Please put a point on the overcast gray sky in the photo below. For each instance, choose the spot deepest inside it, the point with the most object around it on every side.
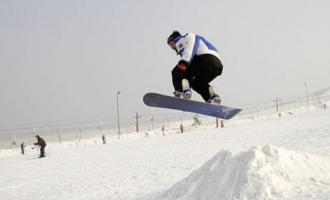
(66, 59)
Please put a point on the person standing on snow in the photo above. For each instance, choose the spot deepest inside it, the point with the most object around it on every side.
(104, 139)
(181, 128)
(22, 148)
(41, 142)
(198, 66)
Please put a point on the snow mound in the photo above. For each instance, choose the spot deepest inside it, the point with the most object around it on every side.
(262, 172)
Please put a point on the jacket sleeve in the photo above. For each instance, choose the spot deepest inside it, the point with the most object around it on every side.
(189, 47)
(40, 142)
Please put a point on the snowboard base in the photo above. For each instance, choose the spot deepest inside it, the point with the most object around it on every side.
(164, 101)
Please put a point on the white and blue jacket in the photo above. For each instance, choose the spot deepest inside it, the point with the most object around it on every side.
(189, 45)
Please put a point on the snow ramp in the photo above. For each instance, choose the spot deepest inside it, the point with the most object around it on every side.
(260, 173)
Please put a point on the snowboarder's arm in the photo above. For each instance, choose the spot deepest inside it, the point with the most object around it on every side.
(189, 47)
(186, 48)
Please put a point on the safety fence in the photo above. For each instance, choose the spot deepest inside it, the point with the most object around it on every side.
(157, 123)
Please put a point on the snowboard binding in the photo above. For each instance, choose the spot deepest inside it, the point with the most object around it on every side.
(215, 98)
(186, 91)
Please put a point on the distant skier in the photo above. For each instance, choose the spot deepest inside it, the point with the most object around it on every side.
(41, 142)
(163, 129)
(199, 65)
(22, 148)
(181, 128)
(104, 139)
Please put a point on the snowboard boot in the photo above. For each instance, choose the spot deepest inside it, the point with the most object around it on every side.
(186, 89)
(214, 98)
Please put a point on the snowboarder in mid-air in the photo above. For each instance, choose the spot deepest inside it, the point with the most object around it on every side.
(198, 66)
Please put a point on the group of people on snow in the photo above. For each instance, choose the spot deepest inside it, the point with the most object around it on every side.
(40, 142)
(198, 65)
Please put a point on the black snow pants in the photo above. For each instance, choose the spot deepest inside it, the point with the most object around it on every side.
(200, 72)
(42, 150)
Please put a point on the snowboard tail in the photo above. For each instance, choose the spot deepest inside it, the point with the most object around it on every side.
(164, 101)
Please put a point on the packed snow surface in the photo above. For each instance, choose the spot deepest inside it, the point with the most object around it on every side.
(263, 172)
(267, 159)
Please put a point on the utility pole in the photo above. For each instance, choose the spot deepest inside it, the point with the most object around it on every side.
(100, 127)
(216, 122)
(80, 134)
(137, 116)
(307, 94)
(118, 123)
(277, 106)
(152, 122)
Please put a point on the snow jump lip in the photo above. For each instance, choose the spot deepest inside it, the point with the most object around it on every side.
(251, 174)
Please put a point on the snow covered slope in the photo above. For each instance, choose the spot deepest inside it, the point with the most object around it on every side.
(262, 172)
(275, 159)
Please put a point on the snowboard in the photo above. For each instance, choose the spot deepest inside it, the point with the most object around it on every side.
(164, 101)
